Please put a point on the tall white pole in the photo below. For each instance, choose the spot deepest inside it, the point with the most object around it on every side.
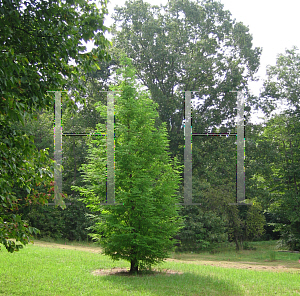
(188, 150)
(240, 148)
(110, 150)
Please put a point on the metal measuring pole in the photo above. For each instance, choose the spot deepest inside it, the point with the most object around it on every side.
(110, 184)
(57, 150)
(240, 180)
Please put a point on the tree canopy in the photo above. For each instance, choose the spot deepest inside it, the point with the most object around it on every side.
(282, 83)
(188, 45)
(38, 40)
(276, 161)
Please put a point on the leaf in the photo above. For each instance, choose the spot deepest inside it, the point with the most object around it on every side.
(24, 83)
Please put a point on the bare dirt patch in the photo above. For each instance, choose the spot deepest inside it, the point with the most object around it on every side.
(245, 265)
(68, 247)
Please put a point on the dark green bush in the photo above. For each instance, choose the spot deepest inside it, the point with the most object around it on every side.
(57, 223)
(203, 230)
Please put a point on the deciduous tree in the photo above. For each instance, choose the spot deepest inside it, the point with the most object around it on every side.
(141, 229)
(188, 45)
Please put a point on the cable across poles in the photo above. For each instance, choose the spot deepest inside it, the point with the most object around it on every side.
(110, 138)
(110, 143)
(240, 168)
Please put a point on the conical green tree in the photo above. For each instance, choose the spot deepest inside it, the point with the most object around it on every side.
(142, 228)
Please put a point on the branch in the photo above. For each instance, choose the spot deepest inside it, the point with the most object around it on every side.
(43, 36)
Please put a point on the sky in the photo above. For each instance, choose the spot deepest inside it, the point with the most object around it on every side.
(274, 26)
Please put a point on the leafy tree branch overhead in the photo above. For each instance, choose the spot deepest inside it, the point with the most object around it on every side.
(37, 42)
(38, 39)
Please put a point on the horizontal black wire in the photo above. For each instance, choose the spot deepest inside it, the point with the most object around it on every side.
(214, 134)
(193, 134)
(67, 134)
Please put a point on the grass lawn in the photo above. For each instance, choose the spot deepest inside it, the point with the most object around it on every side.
(48, 268)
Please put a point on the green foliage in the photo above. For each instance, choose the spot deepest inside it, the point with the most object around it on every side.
(236, 226)
(277, 171)
(70, 223)
(274, 150)
(169, 44)
(54, 222)
(37, 40)
(282, 182)
(255, 222)
(22, 168)
(248, 246)
(282, 82)
(245, 223)
(290, 236)
(146, 180)
(202, 230)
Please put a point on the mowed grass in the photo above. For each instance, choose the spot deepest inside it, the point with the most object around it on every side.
(40, 270)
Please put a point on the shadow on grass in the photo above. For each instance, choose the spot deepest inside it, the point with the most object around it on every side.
(171, 283)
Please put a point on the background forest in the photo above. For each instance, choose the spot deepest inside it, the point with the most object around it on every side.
(185, 45)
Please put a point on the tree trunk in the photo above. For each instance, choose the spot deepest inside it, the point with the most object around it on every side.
(237, 246)
(134, 268)
(292, 157)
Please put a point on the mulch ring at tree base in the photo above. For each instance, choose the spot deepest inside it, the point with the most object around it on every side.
(125, 272)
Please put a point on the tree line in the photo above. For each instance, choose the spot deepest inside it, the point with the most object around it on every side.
(184, 45)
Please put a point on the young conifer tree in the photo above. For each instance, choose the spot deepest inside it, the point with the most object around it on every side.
(141, 229)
